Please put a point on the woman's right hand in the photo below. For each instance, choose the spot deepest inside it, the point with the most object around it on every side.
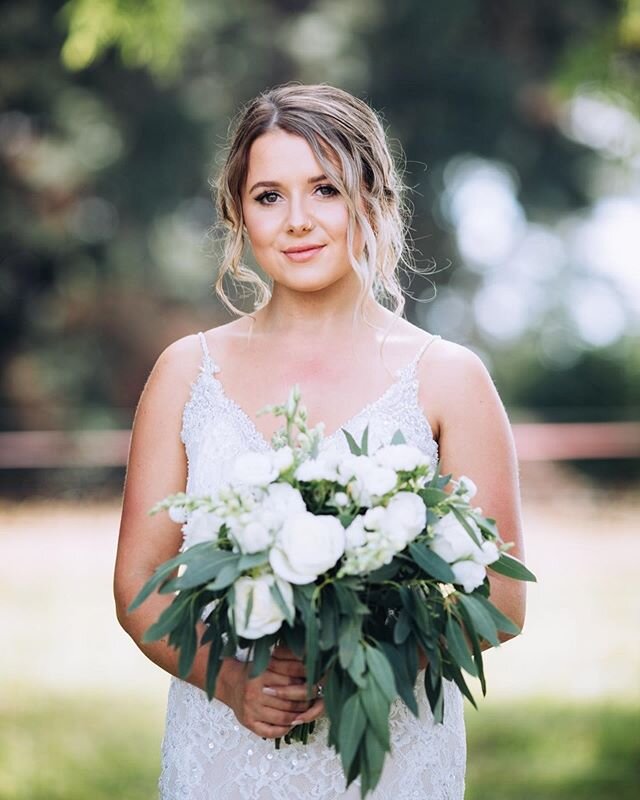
(256, 703)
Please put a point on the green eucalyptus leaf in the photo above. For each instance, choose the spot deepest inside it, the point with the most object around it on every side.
(431, 563)
(482, 619)
(353, 445)
(398, 438)
(433, 496)
(503, 623)
(376, 706)
(357, 667)
(227, 575)
(288, 612)
(458, 647)
(364, 442)
(435, 692)
(352, 728)
(348, 639)
(381, 671)
(375, 754)
(405, 670)
(170, 618)
(512, 568)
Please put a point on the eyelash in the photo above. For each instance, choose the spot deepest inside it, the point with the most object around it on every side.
(260, 198)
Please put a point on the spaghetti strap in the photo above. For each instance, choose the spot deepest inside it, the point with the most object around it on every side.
(425, 347)
(208, 364)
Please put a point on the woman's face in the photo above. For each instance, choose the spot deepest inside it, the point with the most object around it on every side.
(289, 205)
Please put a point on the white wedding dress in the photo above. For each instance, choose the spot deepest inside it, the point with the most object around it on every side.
(207, 754)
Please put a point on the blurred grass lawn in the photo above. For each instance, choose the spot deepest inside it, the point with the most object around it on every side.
(81, 711)
(83, 749)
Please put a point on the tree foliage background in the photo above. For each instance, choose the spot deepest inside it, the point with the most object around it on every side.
(519, 122)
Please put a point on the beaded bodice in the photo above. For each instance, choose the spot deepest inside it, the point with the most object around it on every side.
(207, 754)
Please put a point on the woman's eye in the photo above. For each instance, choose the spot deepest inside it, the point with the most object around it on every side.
(267, 198)
(326, 190)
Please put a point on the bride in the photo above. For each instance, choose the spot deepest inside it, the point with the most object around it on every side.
(310, 185)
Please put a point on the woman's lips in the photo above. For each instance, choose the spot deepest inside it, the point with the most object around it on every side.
(303, 255)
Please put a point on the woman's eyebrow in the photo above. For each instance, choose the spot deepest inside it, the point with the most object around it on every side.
(275, 183)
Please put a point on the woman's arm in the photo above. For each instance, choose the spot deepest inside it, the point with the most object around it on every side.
(156, 468)
(475, 439)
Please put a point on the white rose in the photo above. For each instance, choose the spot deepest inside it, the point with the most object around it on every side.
(306, 546)
(488, 553)
(266, 616)
(468, 574)
(451, 540)
(255, 469)
(407, 513)
(252, 537)
(404, 457)
(352, 466)
(379, 480)
(202, 526)
(281, 501)
(283, 459)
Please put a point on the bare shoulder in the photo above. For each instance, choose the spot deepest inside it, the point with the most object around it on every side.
(453, 382)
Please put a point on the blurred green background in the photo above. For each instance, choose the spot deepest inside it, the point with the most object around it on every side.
(520, 122)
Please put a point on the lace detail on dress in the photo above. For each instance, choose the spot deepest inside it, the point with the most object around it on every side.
(207, 754)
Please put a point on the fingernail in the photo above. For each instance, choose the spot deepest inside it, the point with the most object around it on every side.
(270, 691)
(297, 722)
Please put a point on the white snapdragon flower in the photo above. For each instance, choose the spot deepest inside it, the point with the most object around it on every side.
(466, 488)
(266, 615)
(254, 469)
(283, 459)
(201, 526)
(322, 468)
(401, 457)
(306, 546)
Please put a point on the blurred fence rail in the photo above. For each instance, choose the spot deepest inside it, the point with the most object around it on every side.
(109, 448)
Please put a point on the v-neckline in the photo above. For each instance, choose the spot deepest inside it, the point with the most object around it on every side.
(259, 437)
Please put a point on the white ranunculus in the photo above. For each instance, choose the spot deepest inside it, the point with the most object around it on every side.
(322, 468)
(202, 526)
(367, 480)
(452, 542)
(254, 469)
(401, 457)
(469, 574)
(266, 615)
(406, 516)
(306, 546)
(466, 488)
(283, 458)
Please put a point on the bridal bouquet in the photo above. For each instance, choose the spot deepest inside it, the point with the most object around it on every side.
(352, 561)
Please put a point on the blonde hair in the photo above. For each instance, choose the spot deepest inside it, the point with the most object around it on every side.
(349, 142)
